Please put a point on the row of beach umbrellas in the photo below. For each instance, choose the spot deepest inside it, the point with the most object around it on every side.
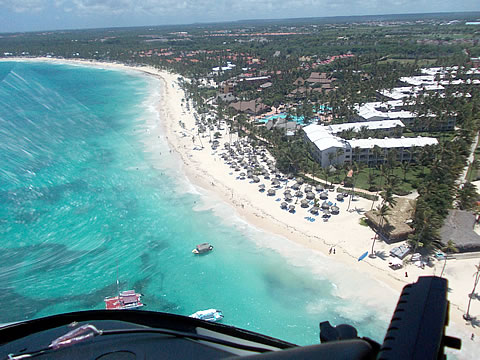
(242, 155)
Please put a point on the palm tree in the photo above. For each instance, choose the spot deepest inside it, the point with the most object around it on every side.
(331, 156)
(326, 172)
(475, 282)
(356, 167)
(467, 196)
(405, 165)
(449, 248)
(200, 138)
(382, 212)
(338, 153)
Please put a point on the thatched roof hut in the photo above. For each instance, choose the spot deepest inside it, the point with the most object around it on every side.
(396, 225)
(459, 227)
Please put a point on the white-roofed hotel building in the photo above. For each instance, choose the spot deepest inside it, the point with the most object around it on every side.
(324, 142)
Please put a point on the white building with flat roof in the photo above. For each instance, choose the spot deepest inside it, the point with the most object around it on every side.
(370, 125)
(324, 142)
(394, 110)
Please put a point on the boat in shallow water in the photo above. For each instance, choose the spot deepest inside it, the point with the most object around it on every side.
(208, 315)
(202, 248)
(125, 300)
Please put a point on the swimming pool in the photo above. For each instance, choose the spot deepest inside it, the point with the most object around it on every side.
(298, 119)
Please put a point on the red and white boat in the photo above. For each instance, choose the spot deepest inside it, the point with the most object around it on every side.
(125, 300)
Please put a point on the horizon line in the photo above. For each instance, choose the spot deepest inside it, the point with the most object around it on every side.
(245, 20)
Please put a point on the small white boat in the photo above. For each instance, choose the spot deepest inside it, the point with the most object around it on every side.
(202, 248)
(208, 315)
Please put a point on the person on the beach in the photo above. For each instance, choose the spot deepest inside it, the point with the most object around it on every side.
(330, 251)
(406, 274)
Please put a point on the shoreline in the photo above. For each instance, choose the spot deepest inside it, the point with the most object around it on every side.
(343, 232)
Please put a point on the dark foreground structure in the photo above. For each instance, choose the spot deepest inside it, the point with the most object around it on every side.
(417, 331)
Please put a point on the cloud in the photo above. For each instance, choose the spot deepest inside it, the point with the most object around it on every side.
(230, 9)
(23, 6)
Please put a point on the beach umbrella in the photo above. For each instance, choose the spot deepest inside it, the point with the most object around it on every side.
(288, 197)
(326, 213)
(256, 179)
(324, 195)
(304, 203)
(295, 186)
(325, 206)
(299, 194)
(242, 174)
(308, 188)
(288, 191)
(314, 210)
(310, 195)
(340, 197)
(319, 188)
(290, 176)
(271, 192)
(300, 181)
(291, 208)
(275, 183)
(283, 205)
(335, 209)
(237, 168)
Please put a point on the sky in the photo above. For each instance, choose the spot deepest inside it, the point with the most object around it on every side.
(34, 15)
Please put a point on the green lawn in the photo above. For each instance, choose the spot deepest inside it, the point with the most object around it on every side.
(407, 184)
(414, 176)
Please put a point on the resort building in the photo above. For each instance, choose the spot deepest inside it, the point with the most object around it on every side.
(384, 125)
(252, 107)
(395, 110)
(373, 151)
(329, 149)
(326, 148)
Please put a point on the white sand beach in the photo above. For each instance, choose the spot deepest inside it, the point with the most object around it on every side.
(343, 232)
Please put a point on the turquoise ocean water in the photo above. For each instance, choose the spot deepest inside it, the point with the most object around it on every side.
(81, 196)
